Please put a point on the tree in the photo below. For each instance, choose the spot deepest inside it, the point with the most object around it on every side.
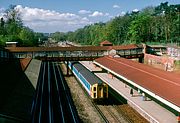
(14, 22)
(58, 36)
(40, 38)
(169, 15)
(117, 29)
(27, 37)
(139, 30)
(12, 29)
(2, 29)
(160, 24)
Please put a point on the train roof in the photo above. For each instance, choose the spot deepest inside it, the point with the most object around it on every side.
(88, 75)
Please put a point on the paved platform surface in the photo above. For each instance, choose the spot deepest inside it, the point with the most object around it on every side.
(32, 71)
(90, 66)
(147, 108)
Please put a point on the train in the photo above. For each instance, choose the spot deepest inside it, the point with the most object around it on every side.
(94, 86)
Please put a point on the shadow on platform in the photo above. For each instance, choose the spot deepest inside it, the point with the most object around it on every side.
(16, 93)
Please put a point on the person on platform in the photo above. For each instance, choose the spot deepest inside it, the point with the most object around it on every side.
(131, 92)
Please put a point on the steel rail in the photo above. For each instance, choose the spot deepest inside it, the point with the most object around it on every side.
(120, 110)
(75, 120)
(12, 118)
(50, 109)
(40, 112)
(35, 101)
(58, 91)
(113, 115)
(100, 113)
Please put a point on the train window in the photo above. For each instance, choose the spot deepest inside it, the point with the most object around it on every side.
(94, 89)
(94, 95)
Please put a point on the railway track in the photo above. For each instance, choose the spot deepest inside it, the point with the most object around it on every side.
(111, 111)
(129, 114)
(116, 118)
(12, 118)
(52, 102)
(101, 114)
(109, 114)
(122, 113)
(118, 108)
(101, 109)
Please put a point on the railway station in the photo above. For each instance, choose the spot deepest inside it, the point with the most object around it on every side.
(144, 88)
(152, 93)
(96, 62)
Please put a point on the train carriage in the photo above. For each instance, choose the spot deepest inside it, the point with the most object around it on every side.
(95, 87)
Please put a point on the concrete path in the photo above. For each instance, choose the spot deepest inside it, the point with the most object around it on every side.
(32, 71)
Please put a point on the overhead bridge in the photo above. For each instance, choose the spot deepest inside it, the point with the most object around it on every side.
(76, 53)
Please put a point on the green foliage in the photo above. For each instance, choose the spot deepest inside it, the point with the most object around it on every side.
(58, 36)
(2, 27)
(13, 30)
(13, 21)
(27, 36)
(89, 35)
(159, 24)
(139, 30)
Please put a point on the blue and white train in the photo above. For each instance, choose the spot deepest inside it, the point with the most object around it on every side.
(95, 87)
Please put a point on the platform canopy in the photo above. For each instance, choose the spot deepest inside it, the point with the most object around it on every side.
(162, 85)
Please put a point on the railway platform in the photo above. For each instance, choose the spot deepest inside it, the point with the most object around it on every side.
(152, 111)
(149, 109)
(90, 66)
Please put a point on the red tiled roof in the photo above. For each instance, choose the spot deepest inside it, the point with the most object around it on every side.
(105, 42)
(161, 83)
(24, 63)
(125, 47)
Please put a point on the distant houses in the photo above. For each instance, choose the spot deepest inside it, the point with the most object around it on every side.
(106, 43)
(11, 44)
(173, 52)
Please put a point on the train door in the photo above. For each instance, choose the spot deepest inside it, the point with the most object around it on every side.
(105, 91)
(100, 91)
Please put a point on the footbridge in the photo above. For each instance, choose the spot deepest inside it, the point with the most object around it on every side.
(77, 53)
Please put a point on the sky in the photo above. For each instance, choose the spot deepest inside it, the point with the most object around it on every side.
(68, 15)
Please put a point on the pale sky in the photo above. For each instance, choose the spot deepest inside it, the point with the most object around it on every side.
(69, 15)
